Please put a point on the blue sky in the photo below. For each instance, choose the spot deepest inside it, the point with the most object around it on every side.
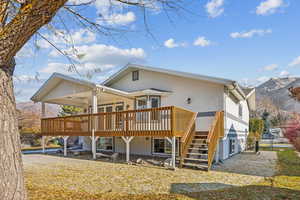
(244, 40)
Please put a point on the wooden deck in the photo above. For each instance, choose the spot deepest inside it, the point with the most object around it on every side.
(162, 122)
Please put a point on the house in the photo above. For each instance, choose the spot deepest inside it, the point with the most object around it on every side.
(153, 111)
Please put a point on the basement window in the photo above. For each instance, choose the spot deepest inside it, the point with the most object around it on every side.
(135, 75)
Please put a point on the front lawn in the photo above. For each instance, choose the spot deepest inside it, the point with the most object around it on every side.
(284, 185)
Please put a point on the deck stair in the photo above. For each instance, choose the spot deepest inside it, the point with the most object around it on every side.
(197, 154)
(198, 147)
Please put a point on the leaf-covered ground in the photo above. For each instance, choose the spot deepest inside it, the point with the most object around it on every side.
(82, 179)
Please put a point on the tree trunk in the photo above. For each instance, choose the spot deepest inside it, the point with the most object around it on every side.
(11, 168)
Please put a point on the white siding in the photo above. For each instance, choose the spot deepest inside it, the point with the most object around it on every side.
(138, 145)
(235, 125)
(205, 96)
(65, 88)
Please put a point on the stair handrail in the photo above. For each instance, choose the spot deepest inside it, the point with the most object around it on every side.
(213, 136)
(187, 138)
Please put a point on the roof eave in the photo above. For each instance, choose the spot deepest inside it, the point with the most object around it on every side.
(171, 72)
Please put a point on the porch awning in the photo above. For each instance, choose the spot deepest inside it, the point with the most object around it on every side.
(65, 90)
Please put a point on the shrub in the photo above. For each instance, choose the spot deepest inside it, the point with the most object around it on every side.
(256, 127)
(292, 132)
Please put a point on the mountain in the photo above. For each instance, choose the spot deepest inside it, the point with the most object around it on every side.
(273, 95)
(29, 115)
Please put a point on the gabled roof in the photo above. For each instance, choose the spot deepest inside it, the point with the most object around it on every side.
(133, 67)
(54, 79)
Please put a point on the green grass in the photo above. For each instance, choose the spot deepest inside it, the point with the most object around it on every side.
(284, 185)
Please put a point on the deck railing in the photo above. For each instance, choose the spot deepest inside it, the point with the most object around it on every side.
(164, 121)
(216, 131)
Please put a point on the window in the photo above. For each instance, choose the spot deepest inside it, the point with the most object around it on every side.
(231, 146)
(141, 103)
(104, 144)
(135, 75)
(163, 146)
(155, 103)
(240, 111)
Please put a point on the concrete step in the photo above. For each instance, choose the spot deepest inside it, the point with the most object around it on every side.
(196, 160)
(192, 165)
(196, 154)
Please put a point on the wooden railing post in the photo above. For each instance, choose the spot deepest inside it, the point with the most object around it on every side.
(127, 122)
(65, 123)
(172, 120)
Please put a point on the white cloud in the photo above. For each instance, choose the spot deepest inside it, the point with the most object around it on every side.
(25, 78)
(82, 36)
(170, 43)
(112, 13)
(271, 67)
(77, 2)
(120, 19)
(61, 38)
(268, 7)
(202, 41)
(251, 33)
(295, 62)
(96, 57)
(284, 73)
(107, 54)
(214, 8)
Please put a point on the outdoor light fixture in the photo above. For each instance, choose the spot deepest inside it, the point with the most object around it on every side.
(189, 100)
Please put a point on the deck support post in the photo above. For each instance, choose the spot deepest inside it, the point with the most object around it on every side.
(43, 143)
(94, 110)
(127, 141)
(173, 157)
(65, 144)
(43, 114)
(174, 152)
(217, 157)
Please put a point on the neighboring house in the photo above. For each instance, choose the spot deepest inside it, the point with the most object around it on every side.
(160, 108)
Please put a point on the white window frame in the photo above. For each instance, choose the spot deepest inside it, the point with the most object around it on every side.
(137, 75)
